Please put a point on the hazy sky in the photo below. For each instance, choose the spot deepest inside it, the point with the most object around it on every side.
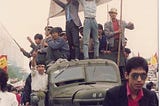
(24, 18)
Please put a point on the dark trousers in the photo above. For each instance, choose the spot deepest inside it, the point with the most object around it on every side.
(72, 32)
(116, 45)
(53, 55)
(122, 74)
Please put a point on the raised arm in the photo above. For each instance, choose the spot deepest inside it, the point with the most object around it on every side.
(75, 2)
(59, 3)
(25, 53)
(97, 1)
(81, 1)
(130, 26)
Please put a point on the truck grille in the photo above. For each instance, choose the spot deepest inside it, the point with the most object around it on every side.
(91, 103)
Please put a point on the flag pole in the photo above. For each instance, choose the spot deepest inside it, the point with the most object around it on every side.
(120, 36)
(48, 21)
(11, 37)
(107, 12)
(49, 14)
(16, 43)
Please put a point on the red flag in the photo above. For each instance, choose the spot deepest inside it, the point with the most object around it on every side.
(3, 62)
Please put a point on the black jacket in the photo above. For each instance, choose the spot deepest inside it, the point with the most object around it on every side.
(27, 89)
(117, 96)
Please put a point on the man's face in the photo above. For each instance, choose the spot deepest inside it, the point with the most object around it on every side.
(126, 54)
(46, 32)
(65, 37)
(37, 41)
(136, 79)
(55, 35)
(100, 31)
(113, 15)
(40, 69)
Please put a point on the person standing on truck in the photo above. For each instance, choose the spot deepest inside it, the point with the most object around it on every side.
(90, 27)
(113, 29)
(72, 26)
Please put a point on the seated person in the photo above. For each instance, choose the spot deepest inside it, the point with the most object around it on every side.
(35, 46)
(57, 46)
(36, 84)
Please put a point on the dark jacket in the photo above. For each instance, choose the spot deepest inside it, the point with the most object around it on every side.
(74, 7)
(103, 43)
(58, 48)
(27, 89)
(34, 48)
(117, 96)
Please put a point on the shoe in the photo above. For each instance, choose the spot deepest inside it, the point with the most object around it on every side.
(96, 57)
(74, 59)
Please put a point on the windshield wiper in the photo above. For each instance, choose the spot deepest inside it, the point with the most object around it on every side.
(87, 83)
(62, 71)
(59, 73)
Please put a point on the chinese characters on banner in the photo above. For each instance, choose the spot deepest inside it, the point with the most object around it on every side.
(3, 62)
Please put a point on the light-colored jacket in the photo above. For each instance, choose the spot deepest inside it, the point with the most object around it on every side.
(8, 99)
(109, 31)
(90, 7)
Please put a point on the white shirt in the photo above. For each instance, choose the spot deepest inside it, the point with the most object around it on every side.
(90, 7)
(8, 99)
(39, 82)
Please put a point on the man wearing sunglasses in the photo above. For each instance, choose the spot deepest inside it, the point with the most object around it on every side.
(132, 92)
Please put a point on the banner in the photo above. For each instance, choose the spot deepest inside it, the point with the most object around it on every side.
(3, 62)
(154, 60)
(56, 10)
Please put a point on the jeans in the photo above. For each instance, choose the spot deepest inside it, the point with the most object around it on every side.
(90, 28)
(36, 100)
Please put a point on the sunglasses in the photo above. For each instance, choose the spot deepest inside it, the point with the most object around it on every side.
(136, 75)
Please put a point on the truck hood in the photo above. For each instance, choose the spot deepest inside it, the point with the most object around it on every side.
(83, 90)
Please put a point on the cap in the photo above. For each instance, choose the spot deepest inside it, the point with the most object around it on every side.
(113, 10)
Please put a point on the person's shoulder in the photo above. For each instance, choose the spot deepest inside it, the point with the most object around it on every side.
(60, 39)
(10, 95)
(148, 93)
(10, 98)
(45, 74)
(107, 23)
(116, 89)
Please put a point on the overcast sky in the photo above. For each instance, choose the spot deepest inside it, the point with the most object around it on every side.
(24, 18)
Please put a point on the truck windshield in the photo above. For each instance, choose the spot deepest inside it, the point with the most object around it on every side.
(88, 73)
(101, 73)
(67, 74)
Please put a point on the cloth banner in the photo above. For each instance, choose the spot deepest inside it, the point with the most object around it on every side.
(56, 10)
(3, 62)
(153, 60)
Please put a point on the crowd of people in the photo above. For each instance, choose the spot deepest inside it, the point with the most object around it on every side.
(77, 42)
(90, 41)
(131, 93)
(81, 42)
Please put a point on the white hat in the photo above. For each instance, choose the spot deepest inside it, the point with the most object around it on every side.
(113, 10)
